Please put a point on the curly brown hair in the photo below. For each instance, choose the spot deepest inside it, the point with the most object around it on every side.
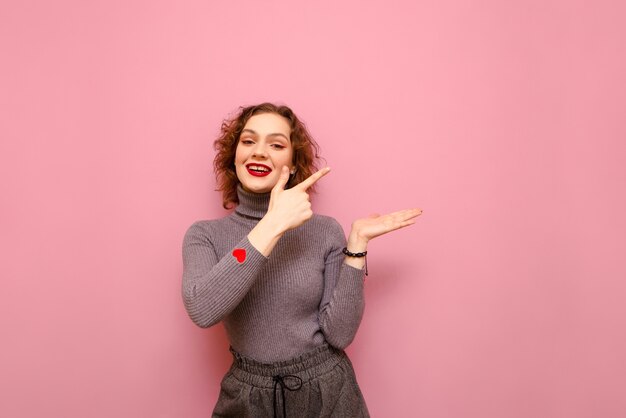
(305, 149)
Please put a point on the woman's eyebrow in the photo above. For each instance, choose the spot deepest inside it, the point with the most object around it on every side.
(253, 132)
(249, 131)
(279, 134)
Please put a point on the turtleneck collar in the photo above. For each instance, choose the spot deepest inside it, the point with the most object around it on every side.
(252, 205)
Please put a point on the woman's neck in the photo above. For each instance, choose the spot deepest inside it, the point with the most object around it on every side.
(252, 205)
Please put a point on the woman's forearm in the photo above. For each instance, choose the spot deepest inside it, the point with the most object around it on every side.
(265, 235)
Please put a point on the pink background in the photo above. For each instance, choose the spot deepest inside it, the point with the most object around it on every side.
(504, 121)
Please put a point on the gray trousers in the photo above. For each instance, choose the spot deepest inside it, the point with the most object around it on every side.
(318, 384)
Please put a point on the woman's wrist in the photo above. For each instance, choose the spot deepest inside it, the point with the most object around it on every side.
(265, 235)
(272, 224)
(356, 243)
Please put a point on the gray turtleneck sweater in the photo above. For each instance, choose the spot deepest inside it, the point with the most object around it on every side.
(278, 307)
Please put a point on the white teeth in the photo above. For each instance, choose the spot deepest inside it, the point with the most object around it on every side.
(258, 168)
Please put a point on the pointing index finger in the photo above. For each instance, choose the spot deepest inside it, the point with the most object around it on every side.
(313, 178)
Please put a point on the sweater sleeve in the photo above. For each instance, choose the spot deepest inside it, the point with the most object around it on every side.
(342, 304)
(213, 287)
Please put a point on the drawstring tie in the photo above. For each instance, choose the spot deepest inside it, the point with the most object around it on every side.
(280, 381)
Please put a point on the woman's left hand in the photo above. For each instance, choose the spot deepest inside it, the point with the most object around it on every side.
(376, 225)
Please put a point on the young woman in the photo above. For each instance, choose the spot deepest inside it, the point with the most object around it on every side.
(284, 281)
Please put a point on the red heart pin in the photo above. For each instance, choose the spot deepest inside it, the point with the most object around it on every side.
(239, 254)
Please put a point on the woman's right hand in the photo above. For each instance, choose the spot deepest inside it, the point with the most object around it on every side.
(291, 208)
(288, 209)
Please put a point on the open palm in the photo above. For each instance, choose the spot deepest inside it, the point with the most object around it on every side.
(377, 225)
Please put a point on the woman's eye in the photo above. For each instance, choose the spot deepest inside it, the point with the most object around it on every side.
(247, 141)
(278, 146)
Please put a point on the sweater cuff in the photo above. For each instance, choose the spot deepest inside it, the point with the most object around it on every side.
(246, 256)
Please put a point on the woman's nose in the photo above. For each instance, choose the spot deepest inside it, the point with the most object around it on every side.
(259, 150)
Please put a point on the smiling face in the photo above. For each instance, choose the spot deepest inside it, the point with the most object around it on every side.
(264, 147)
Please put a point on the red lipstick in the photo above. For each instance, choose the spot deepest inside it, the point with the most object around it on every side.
(258, 170)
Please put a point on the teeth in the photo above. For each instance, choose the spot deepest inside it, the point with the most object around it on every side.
(258, 168)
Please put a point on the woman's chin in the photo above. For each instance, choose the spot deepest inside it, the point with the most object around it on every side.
(256, 188)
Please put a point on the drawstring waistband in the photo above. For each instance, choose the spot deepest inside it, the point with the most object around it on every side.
(289, 374)
(320, 382)
(280, 381)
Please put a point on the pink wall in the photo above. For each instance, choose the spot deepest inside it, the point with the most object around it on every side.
(504, 121)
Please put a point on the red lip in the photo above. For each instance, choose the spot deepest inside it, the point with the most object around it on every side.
(258, 173)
